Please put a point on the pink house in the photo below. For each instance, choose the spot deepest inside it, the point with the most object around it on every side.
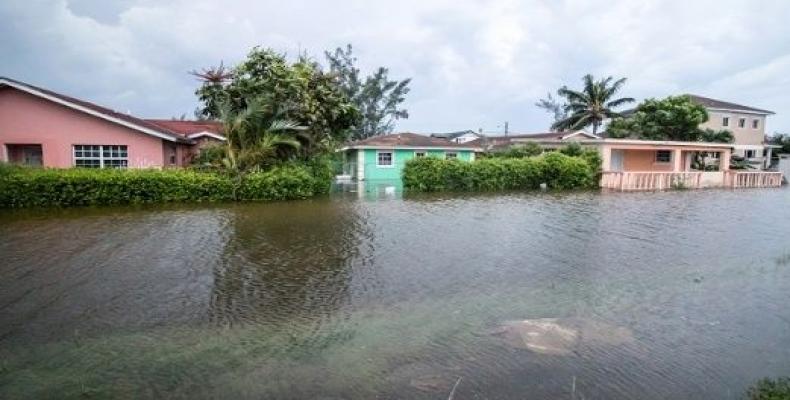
(43, 128)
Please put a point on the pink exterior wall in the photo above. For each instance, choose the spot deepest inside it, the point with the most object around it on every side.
(26, 119)
(643, 160)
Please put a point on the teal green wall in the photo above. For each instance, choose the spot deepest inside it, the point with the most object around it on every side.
(373, 172)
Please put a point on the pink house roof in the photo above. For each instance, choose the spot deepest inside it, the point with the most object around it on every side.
(95, 110)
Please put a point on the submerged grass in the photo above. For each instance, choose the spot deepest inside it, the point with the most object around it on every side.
(350, 358)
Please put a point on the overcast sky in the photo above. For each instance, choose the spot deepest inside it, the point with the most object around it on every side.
(474, 64)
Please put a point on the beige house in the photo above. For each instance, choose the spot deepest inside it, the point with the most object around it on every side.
(630, 164)
(747, 125)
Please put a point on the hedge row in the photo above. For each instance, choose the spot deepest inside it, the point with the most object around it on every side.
(27, 187)
(556, 170)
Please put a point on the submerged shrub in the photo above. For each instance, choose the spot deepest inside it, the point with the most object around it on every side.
(770, 389)
(556, 170)
(28, 187)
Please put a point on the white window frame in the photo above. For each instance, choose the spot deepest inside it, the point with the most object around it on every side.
(447, 155)
(746, 154)
(420, 153)
(103, 160)
(755, 123)
(725, 121)
(392, 158)
(741, 122)
(669, 159)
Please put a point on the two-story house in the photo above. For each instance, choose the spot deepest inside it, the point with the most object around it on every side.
(747, 125)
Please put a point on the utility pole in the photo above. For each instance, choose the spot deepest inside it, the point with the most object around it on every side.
(506, 128)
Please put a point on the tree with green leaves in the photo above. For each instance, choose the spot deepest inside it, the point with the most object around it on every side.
(377, 98)
(592, 105)
(301, 90)
(672, 118)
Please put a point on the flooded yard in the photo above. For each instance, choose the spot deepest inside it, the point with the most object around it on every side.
(543, 296)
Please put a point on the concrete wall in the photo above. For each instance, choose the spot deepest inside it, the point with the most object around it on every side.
(375, 172)
(27, 119)
(743, 136)
(643, 160)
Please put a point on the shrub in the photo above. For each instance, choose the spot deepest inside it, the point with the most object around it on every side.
(27, 187)
(557, 170)
(770, 389)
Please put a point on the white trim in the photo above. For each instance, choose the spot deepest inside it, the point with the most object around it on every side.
(580, 132)
(4, 153)
(455, 157)
(424, 153)
(392, 159)
(664, 143)
(446, 148)
(206, 133)
(86, 110)
(733, 110)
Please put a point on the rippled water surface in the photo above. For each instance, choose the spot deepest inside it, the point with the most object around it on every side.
(349, 298)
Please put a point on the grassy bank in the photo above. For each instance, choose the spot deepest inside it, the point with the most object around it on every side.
(556, 170)
(36, 187)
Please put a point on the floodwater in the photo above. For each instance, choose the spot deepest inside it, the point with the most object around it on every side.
(656, 295)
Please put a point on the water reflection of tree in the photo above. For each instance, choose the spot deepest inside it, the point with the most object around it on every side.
(285, 261)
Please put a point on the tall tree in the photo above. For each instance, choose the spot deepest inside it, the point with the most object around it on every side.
(302, 91)
(592, 105)
(554, 106)
(377, 98)
(671, 118)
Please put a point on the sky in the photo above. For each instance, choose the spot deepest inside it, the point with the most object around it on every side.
(474, 64)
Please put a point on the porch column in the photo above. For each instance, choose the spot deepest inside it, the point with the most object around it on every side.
(677, 160)
(724, 160)
(360, 164)
(606, 158)
(767, 161)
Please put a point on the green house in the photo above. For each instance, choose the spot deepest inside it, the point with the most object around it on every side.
(383, 157)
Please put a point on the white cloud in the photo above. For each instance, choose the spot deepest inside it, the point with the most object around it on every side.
(474, 63)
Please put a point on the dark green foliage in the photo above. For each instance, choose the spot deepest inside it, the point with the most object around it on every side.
(714, 136)
(573, 149)
(672, 118)
(555, 169)
(302, 91)
(781, 139)
(377, 98)
(530, 149)
(24, 187)
(770, 389)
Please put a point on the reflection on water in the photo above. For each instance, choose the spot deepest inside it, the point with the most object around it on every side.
(354, 297)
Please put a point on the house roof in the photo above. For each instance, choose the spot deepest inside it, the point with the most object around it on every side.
(191, 129)
(126, 120)
(725, 105)
(452, 135)
(502, 142)
(410, 140)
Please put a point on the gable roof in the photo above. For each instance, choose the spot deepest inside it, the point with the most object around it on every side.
(453, 135)
(191, 129)
(95, 110)
(725, 105)
(408, 139)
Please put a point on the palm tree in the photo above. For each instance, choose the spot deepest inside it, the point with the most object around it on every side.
(592, 105)
(258, 135)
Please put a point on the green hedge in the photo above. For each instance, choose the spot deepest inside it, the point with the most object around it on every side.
(556, 170)
(28, 187)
